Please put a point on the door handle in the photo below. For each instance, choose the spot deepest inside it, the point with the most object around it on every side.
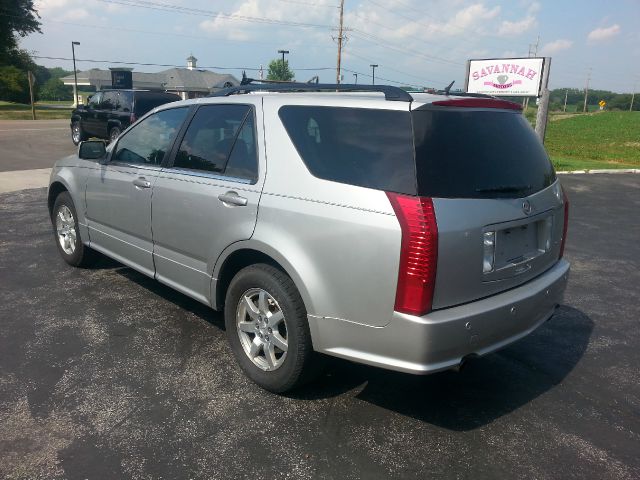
(142, 183)
(232, 198)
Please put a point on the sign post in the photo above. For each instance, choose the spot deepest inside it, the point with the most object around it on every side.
(31, 77)
(543, 108)
(513, 77)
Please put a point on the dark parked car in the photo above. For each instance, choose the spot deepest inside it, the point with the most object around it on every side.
(109, 112)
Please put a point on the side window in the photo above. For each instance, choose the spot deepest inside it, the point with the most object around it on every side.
(109, 100)
(220, 139)
(370, 148)
(124, 101)
(95, 99)
(243, 161)
(148, 142)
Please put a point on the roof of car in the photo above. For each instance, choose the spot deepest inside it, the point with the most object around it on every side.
(383, 97)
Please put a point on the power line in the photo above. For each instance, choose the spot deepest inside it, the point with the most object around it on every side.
(167, 7)
(371, 38)
(216, 67)
(408, 84)
(464, 30)
(309, 3)
(417, 77)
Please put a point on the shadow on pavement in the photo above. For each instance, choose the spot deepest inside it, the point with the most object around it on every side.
(200, 310)
(486, 389)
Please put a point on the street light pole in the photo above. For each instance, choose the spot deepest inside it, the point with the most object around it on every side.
(373, 72)
(283, 53)
(356, 75)
(75, 74)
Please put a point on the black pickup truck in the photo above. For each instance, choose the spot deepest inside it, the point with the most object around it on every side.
(109, 112)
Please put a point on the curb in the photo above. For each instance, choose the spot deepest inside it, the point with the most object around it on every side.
(602, 170)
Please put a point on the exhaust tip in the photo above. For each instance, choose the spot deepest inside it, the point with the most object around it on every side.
(463, 363)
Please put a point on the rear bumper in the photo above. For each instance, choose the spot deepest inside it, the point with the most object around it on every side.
(441, 339)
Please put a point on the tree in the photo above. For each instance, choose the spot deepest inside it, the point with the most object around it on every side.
(54, 89)
(14, 86)
(18, 18)
(279, 70)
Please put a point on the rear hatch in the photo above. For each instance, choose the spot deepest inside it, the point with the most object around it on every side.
(497, 201)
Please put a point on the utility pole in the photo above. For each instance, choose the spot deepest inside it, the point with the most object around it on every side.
(340, 31)
(75, 74)
(586, 91)
(373, 72)
(633, 95)
(31, 79)
(356, 75)
(564, 109)
(533, 52)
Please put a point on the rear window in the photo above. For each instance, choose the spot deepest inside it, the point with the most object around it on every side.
(464, 153)
(147, 101)
(365, 147)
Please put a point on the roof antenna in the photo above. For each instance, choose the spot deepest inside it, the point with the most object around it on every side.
(448, 87)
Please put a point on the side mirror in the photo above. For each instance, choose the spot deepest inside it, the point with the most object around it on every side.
(92, 150)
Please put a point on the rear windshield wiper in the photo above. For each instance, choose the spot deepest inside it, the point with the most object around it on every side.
(504, 188)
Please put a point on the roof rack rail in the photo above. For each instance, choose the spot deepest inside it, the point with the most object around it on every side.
(390, 93)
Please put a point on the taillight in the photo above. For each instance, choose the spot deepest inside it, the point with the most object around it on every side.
(418, 253)
(566, 222)
(132, 118)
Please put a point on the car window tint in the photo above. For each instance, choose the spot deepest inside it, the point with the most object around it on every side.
(148, 141)
(145, 101)
(95, 99)
(467, 153)
(365, 147)
(124, 101)
(243, 161)
(211, 134)
(109, 100)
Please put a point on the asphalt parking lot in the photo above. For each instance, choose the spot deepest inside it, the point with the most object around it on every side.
(31, 144)
(105, 373)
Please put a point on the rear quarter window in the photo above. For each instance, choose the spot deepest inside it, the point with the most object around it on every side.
(147, 101)
(370, 148)
(471, 153)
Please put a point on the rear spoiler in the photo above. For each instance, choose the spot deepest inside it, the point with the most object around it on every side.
(478, 103)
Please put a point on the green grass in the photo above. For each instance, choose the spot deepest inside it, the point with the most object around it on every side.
(599, 140)
(19, 111)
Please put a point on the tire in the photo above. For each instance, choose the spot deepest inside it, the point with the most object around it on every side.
(284, 371)
(114, 133)
(77, 133)
(67, 235)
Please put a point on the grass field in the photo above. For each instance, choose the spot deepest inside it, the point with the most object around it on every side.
(593, 141)
(44, 111)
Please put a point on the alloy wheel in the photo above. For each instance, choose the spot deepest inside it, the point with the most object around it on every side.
(262, 329)
(66, 230)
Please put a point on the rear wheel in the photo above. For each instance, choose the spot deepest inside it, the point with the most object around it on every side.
(65, 228)
(114, 133)
(266, 324)
(77, 133)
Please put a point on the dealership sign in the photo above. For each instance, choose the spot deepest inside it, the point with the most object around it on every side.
(516, 77)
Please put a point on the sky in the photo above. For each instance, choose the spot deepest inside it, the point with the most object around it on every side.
(414, 42)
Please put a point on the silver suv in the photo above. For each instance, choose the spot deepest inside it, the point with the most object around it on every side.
(406, 231)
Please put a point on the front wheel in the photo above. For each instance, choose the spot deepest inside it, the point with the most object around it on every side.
(266, 324)
(77, 133)
(65, 228)
(114, 133)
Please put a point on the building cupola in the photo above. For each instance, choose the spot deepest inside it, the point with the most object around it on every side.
(191, 62)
